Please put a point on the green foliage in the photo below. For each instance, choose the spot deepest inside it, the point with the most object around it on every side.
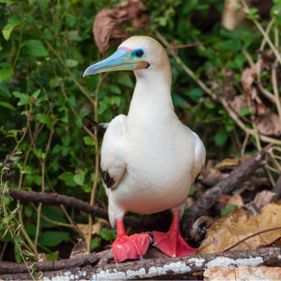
(44, 102)
(228, 209)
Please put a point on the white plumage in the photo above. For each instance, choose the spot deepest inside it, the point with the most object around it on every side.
(150, 155)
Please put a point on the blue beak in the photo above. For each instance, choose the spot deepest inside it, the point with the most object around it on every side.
(120, 60)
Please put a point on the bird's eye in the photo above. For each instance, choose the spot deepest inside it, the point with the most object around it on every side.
(138, 53)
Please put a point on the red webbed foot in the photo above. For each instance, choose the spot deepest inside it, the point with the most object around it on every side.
(129, 247)
(172, 243)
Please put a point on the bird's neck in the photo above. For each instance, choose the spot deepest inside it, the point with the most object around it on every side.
(152, 97)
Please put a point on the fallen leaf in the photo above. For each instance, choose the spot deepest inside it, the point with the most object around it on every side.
(228, 163)
(42, 257)
(241, 230)
(78, 249)
(210, 175)
(96, 227)
(242, 273)
(236, 200)
(107, 25)
(263, 198)
(269, 124)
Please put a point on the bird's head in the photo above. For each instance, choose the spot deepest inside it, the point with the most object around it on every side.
(138, 53)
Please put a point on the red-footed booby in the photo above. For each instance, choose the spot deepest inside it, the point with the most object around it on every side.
(149, 158)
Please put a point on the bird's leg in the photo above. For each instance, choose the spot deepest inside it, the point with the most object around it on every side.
(129, 247)
(172, 243)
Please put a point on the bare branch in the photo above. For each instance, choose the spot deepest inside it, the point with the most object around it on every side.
(169, 268)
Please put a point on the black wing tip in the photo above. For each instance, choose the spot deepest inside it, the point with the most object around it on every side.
(107, 179)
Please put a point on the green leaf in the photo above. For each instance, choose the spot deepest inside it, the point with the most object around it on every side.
(67, 177)
(253, 14)
(44, 119)
(7, 105)
(36, 93)
(30, 229)
(43, 4)
(191, 190)
(79, 178)
(6, 71)
(179, 101)
(52, 256)
(124, 79)
(24, 98)
(55, 82)
(8, 28)
(195, 94)
(220, 138)
(88, 140)
(108, 234)
(39, 153)
(71, 63)
(227, 210)
(52, 238)
(95, 243)
(114, 89)
(244, 112)
(28, 211)
(35, 48)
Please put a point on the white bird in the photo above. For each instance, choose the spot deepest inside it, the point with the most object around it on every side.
(149, 158)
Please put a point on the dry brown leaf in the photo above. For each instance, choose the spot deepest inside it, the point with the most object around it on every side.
(42, 257)
(269, 124)
(210, 175)
(236, 200)
(227, 163)
(263, 198)
(232, 16)
(242, 273)
(96, 227)
(230, 232)
(79, 249)
(239, 102)
(107, 25)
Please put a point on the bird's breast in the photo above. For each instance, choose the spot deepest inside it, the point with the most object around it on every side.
(159, 162)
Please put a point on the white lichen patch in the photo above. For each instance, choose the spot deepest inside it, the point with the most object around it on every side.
(224, 262)
(197, 261)
(174, 267)
(279, 257)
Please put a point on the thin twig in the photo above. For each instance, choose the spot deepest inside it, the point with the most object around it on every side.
(97, 165)
(249, 237)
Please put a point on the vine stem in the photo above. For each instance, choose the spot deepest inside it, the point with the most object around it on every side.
(43, 183)
(263, 32)
(97, 165)
(250, 236)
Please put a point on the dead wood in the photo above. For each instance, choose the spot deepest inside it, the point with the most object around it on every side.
(82, 260)
(169, 268)
(225, 186)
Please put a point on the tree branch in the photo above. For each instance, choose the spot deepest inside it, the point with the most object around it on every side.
(169, 268)
(58, 199)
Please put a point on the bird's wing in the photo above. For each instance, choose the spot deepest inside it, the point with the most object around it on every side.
(113, 163)
(199, 156)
